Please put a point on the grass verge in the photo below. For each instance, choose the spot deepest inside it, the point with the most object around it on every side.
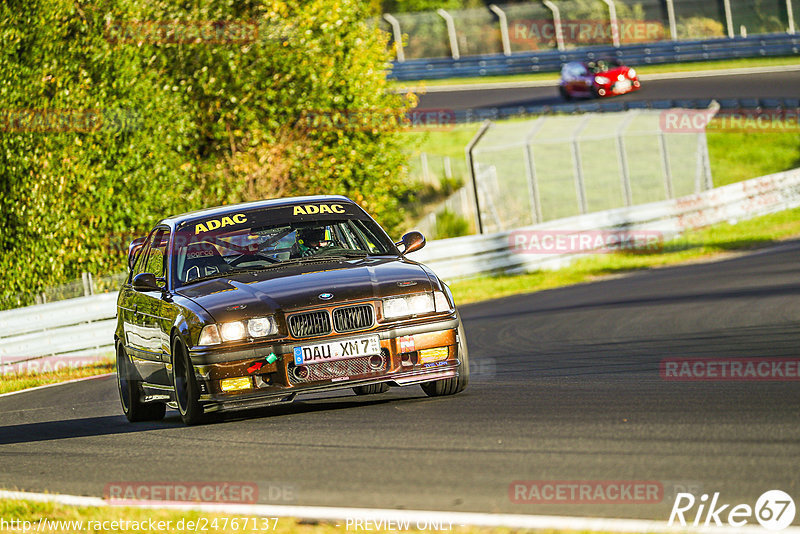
(711, 242)
(23, 380)
(742, 63)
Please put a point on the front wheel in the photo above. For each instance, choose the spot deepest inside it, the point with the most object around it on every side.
(451, 386)
(130, 393)
(187, 393)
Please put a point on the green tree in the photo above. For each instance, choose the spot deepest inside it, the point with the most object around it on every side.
(109, 125)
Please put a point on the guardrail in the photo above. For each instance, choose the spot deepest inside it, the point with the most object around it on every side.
(71, 330)
(632, 55)
(83, 328)
(466, 116)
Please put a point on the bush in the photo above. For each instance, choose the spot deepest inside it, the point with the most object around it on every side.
(171, 125)
(449, 224)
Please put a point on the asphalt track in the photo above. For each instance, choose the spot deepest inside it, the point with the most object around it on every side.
(739, 86)
(565, 386)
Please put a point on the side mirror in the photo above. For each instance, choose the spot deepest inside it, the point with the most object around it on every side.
(135, 246)
(412, 241)
(146, 282)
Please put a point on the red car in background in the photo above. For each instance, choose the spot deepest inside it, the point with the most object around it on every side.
(597, 79)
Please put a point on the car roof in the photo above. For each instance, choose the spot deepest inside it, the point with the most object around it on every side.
(177, 220)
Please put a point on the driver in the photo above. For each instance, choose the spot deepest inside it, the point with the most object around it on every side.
(309, 241)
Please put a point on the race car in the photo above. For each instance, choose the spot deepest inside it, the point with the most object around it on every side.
(253, 304)
(597, 79)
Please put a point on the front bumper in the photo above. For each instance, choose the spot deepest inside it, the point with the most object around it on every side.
(273, 383)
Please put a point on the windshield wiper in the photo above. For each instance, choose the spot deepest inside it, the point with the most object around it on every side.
(324, 258)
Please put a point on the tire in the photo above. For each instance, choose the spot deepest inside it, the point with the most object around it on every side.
(371, 389)
(130, 393)
(187, 393)
(564, 93)
(451, 386)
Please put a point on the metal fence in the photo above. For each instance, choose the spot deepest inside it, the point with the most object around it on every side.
(567, 24)
(546, 168)
(84, 286)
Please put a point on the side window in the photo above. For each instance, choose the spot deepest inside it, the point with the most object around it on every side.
(152, 259)
(141, 260)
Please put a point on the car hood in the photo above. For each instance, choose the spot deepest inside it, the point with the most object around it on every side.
(612, 74)
(296, 286)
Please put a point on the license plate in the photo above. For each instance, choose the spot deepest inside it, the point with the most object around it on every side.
(337, 350)
(622, 86)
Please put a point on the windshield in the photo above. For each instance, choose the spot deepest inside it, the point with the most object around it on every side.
(256, 240)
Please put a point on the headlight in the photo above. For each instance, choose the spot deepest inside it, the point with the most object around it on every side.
(232, 331)
(209, 335)
(262, 326)
(236, 330)
(441, 302)
(631, 73)
(407, 306)
(602, 80)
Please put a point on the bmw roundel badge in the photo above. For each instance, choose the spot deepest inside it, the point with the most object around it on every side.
(326, 296)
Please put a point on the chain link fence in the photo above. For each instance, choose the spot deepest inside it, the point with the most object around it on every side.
(534, 170)
(84, 286)
(567, 24)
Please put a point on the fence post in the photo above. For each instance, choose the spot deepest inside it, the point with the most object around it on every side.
(501, 15)
(790, 15)
(471, 166)
(728, 18)
(623, 157)
(662, 144)
(557, 23)
(612, 16)
(448, 168)
(398, 36)
(530, 164)
(86, 278)
(580, 186)
(426, 172)
(451, 32)
(673, 26)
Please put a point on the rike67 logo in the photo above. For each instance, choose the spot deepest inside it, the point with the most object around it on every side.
(774, 510)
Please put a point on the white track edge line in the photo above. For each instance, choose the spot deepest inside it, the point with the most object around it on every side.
(547, 83)
(54, 384)
(415, 517)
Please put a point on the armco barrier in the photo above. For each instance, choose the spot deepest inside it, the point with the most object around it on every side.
(80, 328)
(84, 326)
(633, 55)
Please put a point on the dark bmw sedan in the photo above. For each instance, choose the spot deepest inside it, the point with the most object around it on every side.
(253, 304)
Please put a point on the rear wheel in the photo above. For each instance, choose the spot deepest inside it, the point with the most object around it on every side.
(187, 394)
(564, 93)
(130, 393)
(371, 389)
(451, 386)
